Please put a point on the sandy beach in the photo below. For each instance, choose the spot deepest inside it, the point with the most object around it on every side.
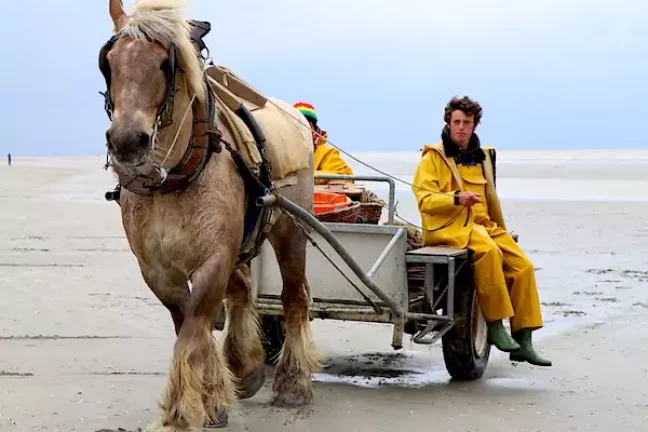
(85, 346)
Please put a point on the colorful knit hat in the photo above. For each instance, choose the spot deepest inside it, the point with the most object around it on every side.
(307, 110)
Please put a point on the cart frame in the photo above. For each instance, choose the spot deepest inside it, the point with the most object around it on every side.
(375, 256)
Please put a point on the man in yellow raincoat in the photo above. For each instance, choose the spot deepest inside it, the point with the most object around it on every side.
(326, 159)
(455, 193)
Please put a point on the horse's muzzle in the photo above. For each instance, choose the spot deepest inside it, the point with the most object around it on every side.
(128, 147)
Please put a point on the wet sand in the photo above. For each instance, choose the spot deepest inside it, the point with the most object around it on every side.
(85, 346)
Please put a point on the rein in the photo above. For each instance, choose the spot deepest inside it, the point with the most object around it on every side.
(175, 139)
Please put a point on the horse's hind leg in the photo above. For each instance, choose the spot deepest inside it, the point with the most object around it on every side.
(200, 389)
(298, 358)
(243, 348)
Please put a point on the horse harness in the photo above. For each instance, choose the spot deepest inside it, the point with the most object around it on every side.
(206, 140)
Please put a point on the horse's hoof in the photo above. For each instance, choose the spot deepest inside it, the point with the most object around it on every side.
(251, 384)
(291, 399)
(220, 421)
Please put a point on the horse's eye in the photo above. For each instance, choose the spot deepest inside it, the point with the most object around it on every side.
(166, 65)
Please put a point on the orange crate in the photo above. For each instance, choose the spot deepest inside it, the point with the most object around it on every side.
(325, 202)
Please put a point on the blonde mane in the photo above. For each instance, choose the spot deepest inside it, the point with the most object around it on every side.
(164, 22)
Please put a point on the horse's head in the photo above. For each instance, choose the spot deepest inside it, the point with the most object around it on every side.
(149, 60)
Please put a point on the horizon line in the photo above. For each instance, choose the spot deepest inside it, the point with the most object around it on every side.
(551, 150)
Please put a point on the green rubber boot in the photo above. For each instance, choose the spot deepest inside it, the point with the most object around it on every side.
(498, 336)
(526, 352)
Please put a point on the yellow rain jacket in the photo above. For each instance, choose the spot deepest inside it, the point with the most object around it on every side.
(504, 276)
(327, 160)
(438, 173)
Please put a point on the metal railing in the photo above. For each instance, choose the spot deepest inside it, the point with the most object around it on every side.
(391, 206)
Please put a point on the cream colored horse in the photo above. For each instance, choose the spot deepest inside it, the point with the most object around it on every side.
(160, 115)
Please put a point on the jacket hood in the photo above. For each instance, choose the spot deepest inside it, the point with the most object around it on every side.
(428, 147)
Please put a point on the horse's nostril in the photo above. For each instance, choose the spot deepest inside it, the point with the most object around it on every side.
(127, 142)
(109, 143)
(144, 139)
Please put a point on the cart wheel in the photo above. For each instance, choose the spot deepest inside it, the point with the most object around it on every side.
(465, 347)
(274, 335)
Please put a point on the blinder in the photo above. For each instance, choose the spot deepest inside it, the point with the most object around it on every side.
(165, 111)
(197, 31)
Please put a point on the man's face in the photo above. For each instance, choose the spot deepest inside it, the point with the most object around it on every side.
(313, 127)
(461, 127)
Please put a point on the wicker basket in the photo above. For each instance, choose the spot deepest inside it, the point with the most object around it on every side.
(343, 215)
(370, 213)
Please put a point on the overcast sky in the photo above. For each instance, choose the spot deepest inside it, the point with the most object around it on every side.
(548, 73)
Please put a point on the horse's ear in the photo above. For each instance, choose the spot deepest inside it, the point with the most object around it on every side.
(117, 13)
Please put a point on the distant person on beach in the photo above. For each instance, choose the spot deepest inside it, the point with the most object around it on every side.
(9, 158)
(455, 192)
(326, 159)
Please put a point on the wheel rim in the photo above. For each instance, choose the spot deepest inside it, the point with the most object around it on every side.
(479, 329)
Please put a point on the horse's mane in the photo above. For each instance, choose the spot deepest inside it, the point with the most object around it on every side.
(164, 21)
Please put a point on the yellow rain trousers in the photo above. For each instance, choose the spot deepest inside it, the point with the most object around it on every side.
(327, 160)
(504, 276)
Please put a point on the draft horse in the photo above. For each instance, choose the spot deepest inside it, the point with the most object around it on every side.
(184, 204)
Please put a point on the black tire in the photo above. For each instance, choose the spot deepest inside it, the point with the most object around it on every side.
(465, 347)
(273, 330)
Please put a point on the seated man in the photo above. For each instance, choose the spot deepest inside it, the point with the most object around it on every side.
(326, 159)
(459, 206)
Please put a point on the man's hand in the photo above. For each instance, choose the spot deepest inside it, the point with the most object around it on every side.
(468, 199)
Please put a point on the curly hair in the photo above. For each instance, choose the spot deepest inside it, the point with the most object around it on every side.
(466, 105)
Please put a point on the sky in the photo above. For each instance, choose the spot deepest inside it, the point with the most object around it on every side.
(549, 74)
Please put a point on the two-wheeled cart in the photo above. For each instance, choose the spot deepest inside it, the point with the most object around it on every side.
(365, 273)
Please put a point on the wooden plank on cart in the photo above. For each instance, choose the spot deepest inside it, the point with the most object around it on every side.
(434, 254)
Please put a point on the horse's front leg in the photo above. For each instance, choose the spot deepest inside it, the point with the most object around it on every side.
(243, 349)
(200, 390)
(170, 287)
